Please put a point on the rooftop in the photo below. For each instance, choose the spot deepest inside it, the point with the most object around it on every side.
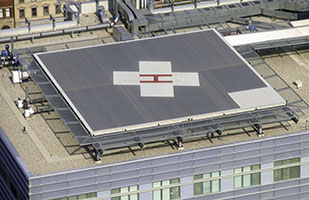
(48, 146)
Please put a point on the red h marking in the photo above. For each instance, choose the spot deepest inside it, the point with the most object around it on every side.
(156, 78)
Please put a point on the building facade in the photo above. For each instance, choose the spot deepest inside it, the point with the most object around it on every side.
(267, 168)
(6, 14)
(36, 10)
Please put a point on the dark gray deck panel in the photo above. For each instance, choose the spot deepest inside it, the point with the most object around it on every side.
(86, 77)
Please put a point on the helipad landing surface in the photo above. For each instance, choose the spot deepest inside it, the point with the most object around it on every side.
(162, 80)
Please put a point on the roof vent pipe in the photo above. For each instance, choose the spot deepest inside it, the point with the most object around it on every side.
(115, 20)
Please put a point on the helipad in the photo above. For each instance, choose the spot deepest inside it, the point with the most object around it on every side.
(158, 81)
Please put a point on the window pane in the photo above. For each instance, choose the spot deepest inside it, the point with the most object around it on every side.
(215, 186)
(277, 163)
(157, 194)
(206, 187)
(21, 13)
(93, 194)
(237, 170)
(133, 197)
(125, 197)
(295, 172)
(247, 180)
(255, 167)
(157, 184)
(165, 183)
(1, 13)
(166, 194)
(115, 198)
(207, 175)
(295, 160)
(133, 188)
(175, 181)
(58, 9)
(247, 169)
(175, 193)
(34, 13)
(46, 10)
(7, 12)
(286, 173)
(73, 198)
(116, 191)
(255, 178)
(124, 190)
(198, 188)
(286, 162)
(278, 175)
(82, 196)
(215, 174)
(198, 176)
(237, 182)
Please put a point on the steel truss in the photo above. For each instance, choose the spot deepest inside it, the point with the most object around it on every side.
(176, 132)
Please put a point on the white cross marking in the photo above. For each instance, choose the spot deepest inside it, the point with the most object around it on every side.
(156, 79)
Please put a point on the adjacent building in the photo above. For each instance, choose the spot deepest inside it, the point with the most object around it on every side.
(6, 14)
(36, 10)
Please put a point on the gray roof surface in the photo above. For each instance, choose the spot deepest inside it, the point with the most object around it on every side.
(85, 75)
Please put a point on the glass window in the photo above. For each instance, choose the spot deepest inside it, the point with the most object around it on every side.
(247, 180)
(78, 197)
(34, 12)
(255, 178)
(21, 13)
(288, 172)
(207, 187)
(58, 9)
(82, 196)
(169, 193)
(92, 194)
(7, 12)
(45, 10)
(1, 13)
(73, 198)
(125, 190)
(21, 1)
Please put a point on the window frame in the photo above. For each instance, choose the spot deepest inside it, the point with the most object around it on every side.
(8, 10)
(204, 181)
(166, 191)
(19, 13)
(286, 173)
(58, 11)
(122, 190)
(252, 174)
(44, 7)
(36, 12)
